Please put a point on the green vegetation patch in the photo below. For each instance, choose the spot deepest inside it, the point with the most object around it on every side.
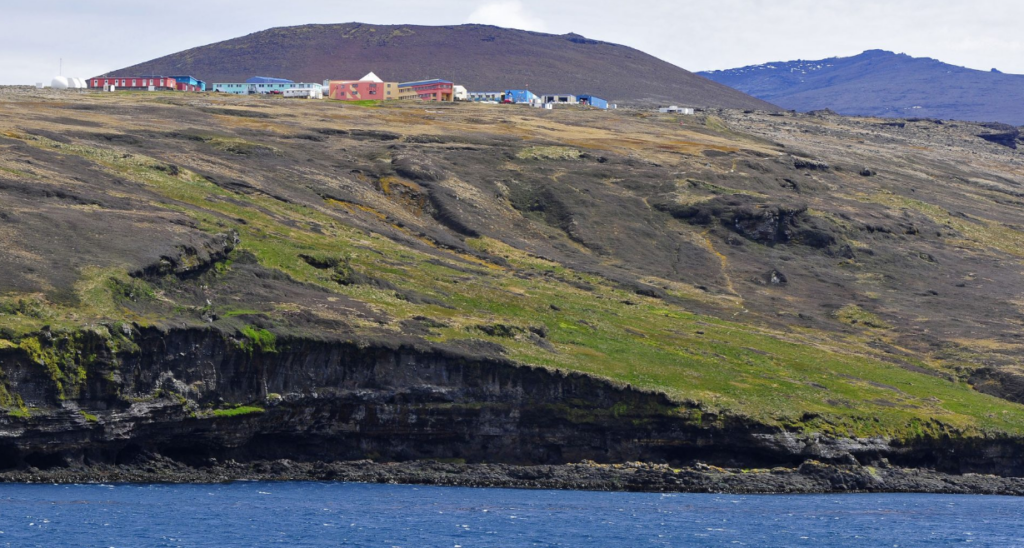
(855, 315)
(238, 411)
(241, 147)
(258, 340)
(549, 153)
(364, 103)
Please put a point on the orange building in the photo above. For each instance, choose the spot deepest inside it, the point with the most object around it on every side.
(369, 88)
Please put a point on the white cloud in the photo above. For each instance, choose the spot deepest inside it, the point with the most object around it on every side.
(509, 14)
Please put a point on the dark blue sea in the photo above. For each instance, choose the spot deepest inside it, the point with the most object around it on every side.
(339, 514)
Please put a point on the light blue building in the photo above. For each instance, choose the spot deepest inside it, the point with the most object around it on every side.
(262, 85)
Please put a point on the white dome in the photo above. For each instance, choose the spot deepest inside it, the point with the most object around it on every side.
(79, 83)
(60, 82)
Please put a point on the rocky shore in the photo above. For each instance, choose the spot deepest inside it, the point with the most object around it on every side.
(810, 477)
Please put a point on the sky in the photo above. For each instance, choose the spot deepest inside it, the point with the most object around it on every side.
(96, 36)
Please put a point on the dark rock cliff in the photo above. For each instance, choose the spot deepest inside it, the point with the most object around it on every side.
(196, 395)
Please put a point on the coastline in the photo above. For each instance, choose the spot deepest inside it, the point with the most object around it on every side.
(812, 477)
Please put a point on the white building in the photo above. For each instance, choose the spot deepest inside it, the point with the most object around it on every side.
(371, 77)
(561, 99)
(485, 96)
(67, 82)
(676, 110)
(460, 93)
(304, 93)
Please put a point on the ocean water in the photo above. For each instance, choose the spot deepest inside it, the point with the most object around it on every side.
(338, 514)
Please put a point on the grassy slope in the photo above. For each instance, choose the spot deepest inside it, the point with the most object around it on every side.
(803, 379)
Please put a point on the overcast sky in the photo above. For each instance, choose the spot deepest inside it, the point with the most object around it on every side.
(95, 36)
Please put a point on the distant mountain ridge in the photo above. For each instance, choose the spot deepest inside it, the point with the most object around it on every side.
(883, 83)
(480, 57)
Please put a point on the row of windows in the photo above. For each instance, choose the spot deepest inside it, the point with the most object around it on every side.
(432, 86)
(134, 81)
(354, 84)
(355, 94)
(264, 86)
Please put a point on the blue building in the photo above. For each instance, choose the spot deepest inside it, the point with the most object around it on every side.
(517, 96)
(595, 102)
(267, 80)
(190, 83)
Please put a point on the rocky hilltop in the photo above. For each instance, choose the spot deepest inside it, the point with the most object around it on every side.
(259, 287)
(882, 83)
(480, 57)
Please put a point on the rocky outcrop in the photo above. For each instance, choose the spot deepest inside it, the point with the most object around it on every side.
(1006, 383)
(192, 259)
(191, 395)
(1001, 134)
(809, 477)
(765, 223)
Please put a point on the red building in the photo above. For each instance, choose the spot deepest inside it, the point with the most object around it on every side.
(427, 90)
(139, 83)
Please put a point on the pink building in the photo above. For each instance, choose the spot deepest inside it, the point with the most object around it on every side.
(427, 90)
(369, 88)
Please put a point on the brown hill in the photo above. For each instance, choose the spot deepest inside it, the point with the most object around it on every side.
(483, 58)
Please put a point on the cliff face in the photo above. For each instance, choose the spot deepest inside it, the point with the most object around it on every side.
(198, 394)
(248, 277)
